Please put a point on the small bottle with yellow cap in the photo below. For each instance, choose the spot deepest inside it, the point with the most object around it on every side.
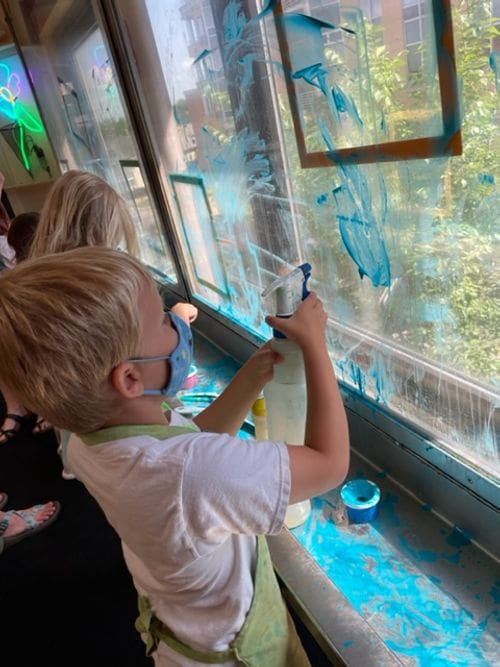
(260, 418)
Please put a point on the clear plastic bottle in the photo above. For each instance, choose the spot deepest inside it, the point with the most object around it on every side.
(286, 394)
(286, 401)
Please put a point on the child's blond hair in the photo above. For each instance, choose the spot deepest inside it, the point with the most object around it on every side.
(83, 210)
(66, 320)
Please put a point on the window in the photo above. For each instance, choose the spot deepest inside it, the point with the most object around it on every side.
(417, 17)
(402, 250)
(334, 53)
(75, 82)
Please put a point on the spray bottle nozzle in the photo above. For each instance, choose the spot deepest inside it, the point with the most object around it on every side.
(290, 290)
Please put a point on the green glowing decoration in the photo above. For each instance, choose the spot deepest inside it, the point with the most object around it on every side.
(15, 111)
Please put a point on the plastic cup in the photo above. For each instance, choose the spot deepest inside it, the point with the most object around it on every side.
(361, 498)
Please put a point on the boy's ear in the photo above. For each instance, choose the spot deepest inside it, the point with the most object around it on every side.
(127, 380)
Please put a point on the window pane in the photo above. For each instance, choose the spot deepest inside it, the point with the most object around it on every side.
(338, 57)
(403, 253)
(412, 32)
(74, 78)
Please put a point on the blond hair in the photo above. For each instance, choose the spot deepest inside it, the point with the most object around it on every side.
(66, 321)
(83, 210)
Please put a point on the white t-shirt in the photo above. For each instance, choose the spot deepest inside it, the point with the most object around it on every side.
(187, 509)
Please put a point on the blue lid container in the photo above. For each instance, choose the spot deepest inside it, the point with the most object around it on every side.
(361, 498)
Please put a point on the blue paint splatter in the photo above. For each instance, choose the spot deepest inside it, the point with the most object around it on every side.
(495, 592)
(383, 386)
(494, 59)
(458, 538)
(352, 372)
(360, 233)
(322, 198)
(486, 179)
(268, 7)
(412, 614)
(345, 104)
(233, 22)
(202, 55)
(424, 555)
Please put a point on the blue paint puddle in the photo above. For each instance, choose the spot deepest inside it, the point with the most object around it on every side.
(415, 617)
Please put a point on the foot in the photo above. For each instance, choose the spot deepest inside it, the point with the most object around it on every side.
(41, 426)
(15, 525)
(12, 425)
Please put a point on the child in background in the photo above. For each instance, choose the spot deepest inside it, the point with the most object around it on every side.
(189, 500)
(21, 232)
(19, 237)
(81, 209)
(6, 252)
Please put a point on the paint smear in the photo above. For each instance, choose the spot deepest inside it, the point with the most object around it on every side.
(414, 616)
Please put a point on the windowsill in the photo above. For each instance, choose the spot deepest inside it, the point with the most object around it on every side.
(405, 587)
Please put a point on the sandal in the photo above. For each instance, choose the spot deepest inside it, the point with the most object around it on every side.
(7, 434)
(3, 499)
(41, 426)
(29, 516)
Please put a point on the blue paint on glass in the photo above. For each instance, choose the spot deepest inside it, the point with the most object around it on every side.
(305, 40)
(233, 22)
(345, 104)
(202, 55)
(383, 385)
(487, 179)
(352, 372)
(268, 7)
(237, 169)
(361, 235)
(494, 61)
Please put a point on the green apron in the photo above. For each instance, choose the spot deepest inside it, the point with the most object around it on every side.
(267, 639)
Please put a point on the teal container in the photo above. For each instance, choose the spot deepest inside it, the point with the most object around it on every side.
(361, 499)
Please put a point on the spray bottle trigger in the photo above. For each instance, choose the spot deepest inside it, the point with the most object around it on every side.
(306, 270)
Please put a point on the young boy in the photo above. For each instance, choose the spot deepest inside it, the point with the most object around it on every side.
(84, 341)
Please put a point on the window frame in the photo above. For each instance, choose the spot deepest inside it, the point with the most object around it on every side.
(446, 144)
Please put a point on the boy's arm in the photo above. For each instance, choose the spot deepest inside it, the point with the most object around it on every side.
(323, 463)
(227, 413)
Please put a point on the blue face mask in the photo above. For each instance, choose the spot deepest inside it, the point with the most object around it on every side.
(179, 360)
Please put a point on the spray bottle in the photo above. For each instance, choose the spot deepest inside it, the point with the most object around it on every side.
(286, 395)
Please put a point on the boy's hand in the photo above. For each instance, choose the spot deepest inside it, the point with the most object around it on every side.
(307, 326)
(259, 368)
(187, 311)
(227, 413)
